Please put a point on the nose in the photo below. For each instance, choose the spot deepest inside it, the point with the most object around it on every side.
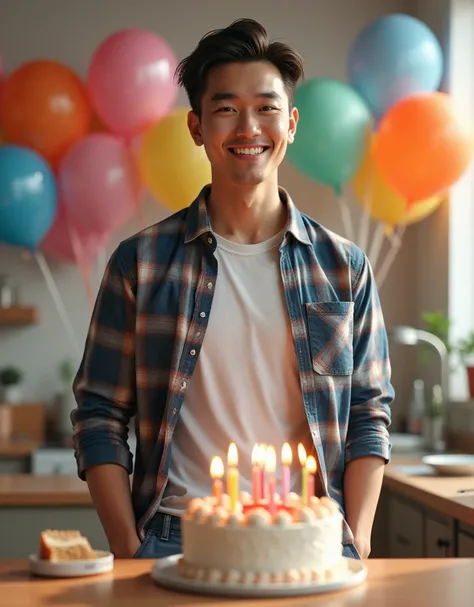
(248, 125)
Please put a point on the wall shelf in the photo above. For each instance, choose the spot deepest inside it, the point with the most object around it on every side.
(18, 316)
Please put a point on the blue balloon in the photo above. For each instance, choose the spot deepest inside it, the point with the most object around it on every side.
(28, 197)
(392, 58)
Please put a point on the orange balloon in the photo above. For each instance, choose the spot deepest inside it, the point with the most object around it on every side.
(423, 146)
(45, 107)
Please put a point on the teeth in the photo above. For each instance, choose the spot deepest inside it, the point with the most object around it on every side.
(251, 151)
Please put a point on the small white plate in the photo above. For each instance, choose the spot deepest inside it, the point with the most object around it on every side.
(165, 573)
(451, 464)
(102, 564)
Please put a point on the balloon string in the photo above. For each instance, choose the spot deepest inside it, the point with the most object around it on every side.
(391, 255)
(61, 309)
(376, 245)
(101, 263)
(78, 250)
(364, 226)
(346, 217)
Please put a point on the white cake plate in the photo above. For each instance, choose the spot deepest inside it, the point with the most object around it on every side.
(102, 564)
(165, 573)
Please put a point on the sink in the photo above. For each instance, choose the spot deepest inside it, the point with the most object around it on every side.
(406, 443)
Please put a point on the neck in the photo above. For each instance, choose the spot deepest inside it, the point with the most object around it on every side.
(246, 214)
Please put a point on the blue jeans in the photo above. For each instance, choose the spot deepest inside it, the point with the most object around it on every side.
(163, 538)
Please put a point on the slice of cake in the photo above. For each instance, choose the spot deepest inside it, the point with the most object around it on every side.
(64, 545)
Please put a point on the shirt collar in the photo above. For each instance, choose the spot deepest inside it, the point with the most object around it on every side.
(198, 223)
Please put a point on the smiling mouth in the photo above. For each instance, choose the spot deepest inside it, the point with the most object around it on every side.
(249, 151)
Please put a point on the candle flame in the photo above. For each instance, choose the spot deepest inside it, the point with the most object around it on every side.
(261, 454)
(286, 455)
(232, 455)
(217, 467)
(270, 460)
(302, 454)
(256, 455)
(311, 464)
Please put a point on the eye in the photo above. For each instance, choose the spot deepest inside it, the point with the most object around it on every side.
(225, 109)
(268, 108)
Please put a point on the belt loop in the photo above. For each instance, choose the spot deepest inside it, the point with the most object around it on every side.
(165, 529)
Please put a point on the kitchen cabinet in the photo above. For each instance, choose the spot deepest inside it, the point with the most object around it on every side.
(465, 548)
(18, 316)
(406, 535)
(439, 536)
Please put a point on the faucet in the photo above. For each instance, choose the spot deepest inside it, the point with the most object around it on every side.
(409, 336)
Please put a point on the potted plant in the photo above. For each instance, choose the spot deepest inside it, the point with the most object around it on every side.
(438, 324)
(10, 383)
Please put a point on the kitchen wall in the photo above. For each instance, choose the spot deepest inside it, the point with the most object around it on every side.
(69, 31)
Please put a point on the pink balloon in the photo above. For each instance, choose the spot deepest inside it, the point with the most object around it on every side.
(58, 242)
(131, 80)
(99, 182)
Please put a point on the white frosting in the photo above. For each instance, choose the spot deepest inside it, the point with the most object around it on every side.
(304, 545)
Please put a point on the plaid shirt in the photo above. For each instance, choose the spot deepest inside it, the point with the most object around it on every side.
(149, 324)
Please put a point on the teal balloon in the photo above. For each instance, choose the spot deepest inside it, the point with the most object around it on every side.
(333, 131)
(28, 197)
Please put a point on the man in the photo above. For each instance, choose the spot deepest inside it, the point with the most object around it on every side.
(238, 319)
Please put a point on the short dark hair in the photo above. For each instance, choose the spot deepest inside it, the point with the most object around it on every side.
(243, 41)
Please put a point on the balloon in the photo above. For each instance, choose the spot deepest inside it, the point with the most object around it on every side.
(333, 131)
(385, 204)
(131, 80)
(423, 146)
(172, 166)
(45, 107)
(59, 242)
(392, 58)
(28, 197)
(99, 183)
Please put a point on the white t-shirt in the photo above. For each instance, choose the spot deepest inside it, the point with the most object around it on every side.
(246, 386)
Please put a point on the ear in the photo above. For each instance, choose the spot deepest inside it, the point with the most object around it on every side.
(194, 126)
(294, 116)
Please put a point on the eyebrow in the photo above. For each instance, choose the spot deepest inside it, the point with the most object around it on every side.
(265, 95)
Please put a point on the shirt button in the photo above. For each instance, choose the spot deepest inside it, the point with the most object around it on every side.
(193, 352)
(183, 385)
(202, 315)
(198, 334)
(209, 240)
(209, 285)
(175, 411)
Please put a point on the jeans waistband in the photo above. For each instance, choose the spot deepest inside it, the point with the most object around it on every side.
(162, 524)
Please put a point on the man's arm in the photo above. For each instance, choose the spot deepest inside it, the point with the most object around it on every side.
(105, 394)
(368, 445)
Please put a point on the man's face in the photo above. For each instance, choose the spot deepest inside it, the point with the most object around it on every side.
(245, 124)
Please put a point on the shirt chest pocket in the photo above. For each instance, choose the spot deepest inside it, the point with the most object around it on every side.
(330, 328)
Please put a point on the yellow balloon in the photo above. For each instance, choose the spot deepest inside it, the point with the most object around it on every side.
(172, 166)
(387, 206)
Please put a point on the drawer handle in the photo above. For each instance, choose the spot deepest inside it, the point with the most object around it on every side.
(441, 543)
(402, 540)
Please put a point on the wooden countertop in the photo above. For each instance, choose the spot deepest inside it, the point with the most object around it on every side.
(452, 496)
(39, 490)
(407, 582)
(18, 448)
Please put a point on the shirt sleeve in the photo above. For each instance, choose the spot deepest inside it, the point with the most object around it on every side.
(372, 390)
(104, 387)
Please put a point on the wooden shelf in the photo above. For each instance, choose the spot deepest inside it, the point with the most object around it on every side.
(18, 315)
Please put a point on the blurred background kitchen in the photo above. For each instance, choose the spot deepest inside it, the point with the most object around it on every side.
(93, 147)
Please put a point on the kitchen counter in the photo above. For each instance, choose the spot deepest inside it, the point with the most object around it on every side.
(43, 490)
(451, 496)
(407, 582)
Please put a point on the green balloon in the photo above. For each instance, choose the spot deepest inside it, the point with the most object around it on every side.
(333, 131)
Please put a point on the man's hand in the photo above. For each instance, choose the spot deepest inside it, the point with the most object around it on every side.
(363, 546)
(125, 549)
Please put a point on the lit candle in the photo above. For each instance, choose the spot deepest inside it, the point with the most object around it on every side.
(232, 476)
(311, 468)
(270, 465)
(286, 459)
(217, 472)
(304, 474)
(262, 472)
(256, 475)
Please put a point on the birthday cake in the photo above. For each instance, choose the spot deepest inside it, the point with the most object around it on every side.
(263, 538)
